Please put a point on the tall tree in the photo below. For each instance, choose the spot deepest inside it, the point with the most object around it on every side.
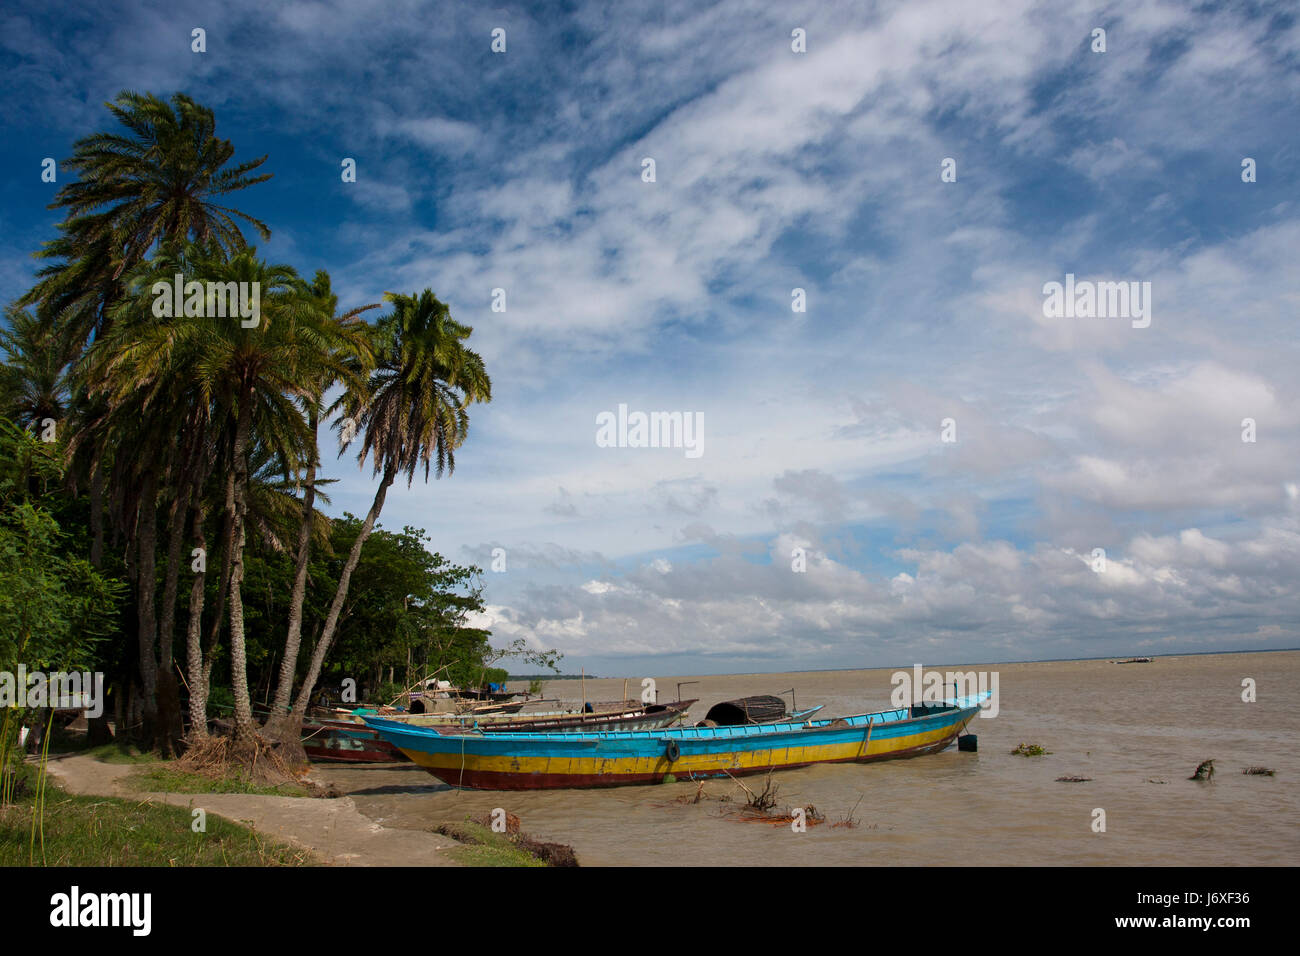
(159, 180)
(33, 375)
(279, 725)
(412, 412)
(156, 182)
(254, 378)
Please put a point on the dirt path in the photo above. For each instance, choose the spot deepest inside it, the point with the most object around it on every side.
(334, 830)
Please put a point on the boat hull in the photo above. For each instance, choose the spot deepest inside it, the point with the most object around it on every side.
(547, 761)
(343, 742)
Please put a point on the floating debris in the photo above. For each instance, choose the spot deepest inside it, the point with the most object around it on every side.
(1030, 750)
(1204, 771)
(811, 816)
(1073, 779)
(849, 820)
(1260, 772)
(1154, 780)
(760, 801)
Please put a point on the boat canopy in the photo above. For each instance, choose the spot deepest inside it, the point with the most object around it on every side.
(746, 710)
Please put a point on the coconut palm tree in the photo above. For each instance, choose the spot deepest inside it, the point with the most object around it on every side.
(412, 412)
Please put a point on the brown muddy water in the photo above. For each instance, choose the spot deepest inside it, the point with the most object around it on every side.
(1123, 725)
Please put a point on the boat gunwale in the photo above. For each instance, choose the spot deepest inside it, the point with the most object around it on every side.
(951, 706)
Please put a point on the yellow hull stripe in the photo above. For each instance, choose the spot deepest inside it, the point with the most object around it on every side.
(687, 763)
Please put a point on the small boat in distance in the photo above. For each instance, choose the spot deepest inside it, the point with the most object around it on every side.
(521, 761)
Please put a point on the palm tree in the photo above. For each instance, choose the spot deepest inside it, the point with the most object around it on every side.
(254, 381)
(277, 727)
(159, 181)
(412, 412)
(33, 377)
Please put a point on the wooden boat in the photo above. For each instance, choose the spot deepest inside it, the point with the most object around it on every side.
(350, 739)
(462, 705)
(514, 761)
(637, 717)
(346, 741)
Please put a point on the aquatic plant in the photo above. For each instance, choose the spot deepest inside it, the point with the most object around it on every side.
(1030, 750)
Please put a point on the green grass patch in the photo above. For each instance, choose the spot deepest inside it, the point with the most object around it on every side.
(162, 778)
(115, 752)
(106, 831)
(492, 856)
(485, 847)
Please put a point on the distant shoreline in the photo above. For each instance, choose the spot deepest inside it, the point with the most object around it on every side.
(557, 677)
(909, 664)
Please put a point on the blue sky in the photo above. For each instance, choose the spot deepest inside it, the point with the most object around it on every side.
(777, 170)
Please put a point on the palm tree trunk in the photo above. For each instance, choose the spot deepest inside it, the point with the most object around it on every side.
(289, 665)
(236, 504)
(223, 586)
(193, 634)
(146, 542)
(97, 510)
(340, 596)
(170, 727)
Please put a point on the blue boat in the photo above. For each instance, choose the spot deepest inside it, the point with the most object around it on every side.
(507, 761)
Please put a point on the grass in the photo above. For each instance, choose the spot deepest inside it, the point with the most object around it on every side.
(106, 831)
(485, 847)
(492, 856)
(115, 752)
(167, 779)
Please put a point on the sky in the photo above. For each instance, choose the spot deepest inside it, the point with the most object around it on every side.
(923, 464)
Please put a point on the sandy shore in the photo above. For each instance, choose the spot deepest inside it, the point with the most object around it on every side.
(334, 830)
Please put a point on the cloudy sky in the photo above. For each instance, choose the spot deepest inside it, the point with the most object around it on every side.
(777, 170)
